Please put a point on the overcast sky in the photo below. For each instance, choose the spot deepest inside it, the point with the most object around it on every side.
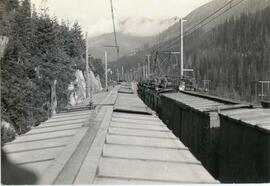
(95, 16)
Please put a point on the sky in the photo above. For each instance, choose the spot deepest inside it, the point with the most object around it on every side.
(135, 17)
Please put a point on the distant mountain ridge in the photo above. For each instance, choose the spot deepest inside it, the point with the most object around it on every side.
(131, 44)
(133, 32)
(233, 8)
(126, 42)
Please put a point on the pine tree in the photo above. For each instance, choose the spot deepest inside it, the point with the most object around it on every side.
(40, 51)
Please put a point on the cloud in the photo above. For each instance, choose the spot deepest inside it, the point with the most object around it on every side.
(101, 26)
(138, 26)
(142, 26)
(136, 17)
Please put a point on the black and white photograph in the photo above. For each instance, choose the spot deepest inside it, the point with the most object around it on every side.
(135, 92)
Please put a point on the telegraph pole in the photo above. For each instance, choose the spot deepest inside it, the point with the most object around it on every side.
(117, 74)
(87, 66)
(115, 38)
(106, 71)
(139, 75)
(146, 70)
(148, 65)
(142, 71)
(182, 50)
(106, 63)
(123, 73)
(90, 86)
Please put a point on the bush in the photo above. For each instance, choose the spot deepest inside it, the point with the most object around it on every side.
(7, 134)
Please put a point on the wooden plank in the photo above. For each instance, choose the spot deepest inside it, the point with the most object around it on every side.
(145, 133)
(144, 141)
(135, 116)
(154, 171)
(35, 155)
(149, 153)
(38, 137)
(138, 126)
(29, 146)
(136, 121)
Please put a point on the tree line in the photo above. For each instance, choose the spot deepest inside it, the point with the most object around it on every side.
(234, 56)
(40, 50)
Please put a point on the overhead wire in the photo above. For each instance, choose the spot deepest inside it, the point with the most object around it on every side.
(207, 17)
(202, 23)
(226, 4)
(114, 31)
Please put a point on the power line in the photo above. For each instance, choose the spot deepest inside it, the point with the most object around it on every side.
(219, 15)
(115, 38)
(175, 40)
(226, 4)
(201, 23)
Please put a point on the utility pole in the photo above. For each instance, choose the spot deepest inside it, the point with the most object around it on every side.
(182, 46)
(106, 71)
(182, 49)
(90, 86)
(148, 65)
(123, 73)
(114, 31)
(87, 66)
(146, 70)
(117, 74)
(134, 74)
(143, 71)
(106, 62)
(139, 75)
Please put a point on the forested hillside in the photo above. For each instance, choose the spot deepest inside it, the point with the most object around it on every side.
(40, 50)
(211, 15)
(233, 56)
(128, 44)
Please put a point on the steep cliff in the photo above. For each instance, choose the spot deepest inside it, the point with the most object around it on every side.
(77, 88)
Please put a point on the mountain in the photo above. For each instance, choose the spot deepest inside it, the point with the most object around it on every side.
(230, 48)
(143, 26)
(212, 14)
(207, 17)
(133, 33)
(127, 43)
(218, 11)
